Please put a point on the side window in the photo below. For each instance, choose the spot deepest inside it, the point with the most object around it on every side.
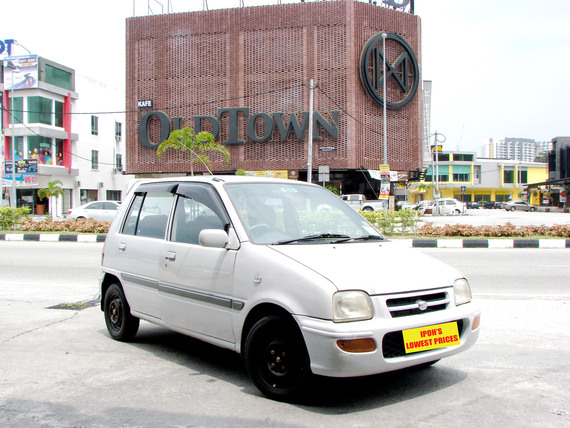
(97, 206)
(197, 208)
(148, 215)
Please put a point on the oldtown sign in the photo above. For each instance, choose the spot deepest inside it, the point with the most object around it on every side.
(271, 122)
(403, 70)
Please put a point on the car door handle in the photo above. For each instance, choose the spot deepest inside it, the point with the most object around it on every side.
(170, 256)
(122, 246)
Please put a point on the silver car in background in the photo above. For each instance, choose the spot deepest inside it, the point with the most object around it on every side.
(519, 206)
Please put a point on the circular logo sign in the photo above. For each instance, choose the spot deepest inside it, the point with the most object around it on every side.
(402, 71)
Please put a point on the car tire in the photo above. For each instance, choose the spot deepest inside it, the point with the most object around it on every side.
(513, 209)
(532, 209)
(368, 209)
(121, 325)
(276, 358)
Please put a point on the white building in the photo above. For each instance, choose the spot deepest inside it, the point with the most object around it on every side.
(67, 127)
(517, 149)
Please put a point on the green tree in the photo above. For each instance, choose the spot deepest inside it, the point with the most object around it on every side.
(542, 157)
(197, 145)
(54, 189)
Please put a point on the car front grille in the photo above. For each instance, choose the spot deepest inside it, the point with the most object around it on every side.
(417, 304)
(393, 343)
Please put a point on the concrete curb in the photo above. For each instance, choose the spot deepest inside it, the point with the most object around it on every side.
(485, 243)
(408, 243)
(51, 237)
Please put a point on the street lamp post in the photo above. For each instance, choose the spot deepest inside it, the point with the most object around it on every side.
(384, 35)
(14, 69)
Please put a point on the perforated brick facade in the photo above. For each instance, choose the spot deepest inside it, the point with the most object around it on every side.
(262, 58)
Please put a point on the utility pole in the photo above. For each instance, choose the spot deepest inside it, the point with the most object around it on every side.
(436, 172)
(310, 143)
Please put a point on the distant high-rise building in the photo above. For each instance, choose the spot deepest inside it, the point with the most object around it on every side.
(519, 149)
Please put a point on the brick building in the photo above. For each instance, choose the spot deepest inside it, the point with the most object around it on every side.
(243, 74)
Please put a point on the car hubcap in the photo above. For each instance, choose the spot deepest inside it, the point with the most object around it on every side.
(115, 311)
(277, 359)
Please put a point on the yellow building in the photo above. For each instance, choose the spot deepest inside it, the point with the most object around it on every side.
(463, 176)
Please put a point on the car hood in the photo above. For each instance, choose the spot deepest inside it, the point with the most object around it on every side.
(377, 268)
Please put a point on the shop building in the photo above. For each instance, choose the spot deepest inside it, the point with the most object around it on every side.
(465, 177)
(48, 117)
(244, 75)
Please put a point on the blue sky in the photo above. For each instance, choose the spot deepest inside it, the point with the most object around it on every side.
(499, 68)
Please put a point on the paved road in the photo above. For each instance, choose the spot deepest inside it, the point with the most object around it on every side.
(59, 368)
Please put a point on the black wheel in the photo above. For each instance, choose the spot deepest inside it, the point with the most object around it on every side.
(513, 208)
(120, 323)
(368, 209)
(532, 209)
(276, 358)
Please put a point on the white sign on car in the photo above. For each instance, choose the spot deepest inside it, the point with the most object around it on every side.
(282, 272)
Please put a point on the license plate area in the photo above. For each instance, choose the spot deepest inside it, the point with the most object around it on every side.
(431, 337)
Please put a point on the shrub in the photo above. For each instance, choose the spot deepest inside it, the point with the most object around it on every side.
(393, 222)
(10, 217)
(507, 230)
(81, 225)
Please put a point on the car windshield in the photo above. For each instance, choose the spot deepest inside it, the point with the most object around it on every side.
(297, 213)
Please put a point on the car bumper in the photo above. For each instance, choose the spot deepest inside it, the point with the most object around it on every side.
(328, 359)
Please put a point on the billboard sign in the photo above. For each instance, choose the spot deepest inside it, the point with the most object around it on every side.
(20, 72)
(26, 172)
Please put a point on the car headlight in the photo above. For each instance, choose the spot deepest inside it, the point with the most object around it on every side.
(462, 291)
(352, 306)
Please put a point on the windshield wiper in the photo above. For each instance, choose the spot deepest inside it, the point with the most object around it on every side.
(361, 238)
(313, 237)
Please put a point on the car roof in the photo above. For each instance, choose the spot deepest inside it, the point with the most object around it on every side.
(216, 180)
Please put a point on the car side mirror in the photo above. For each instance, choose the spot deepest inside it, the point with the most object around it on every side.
(215, 238)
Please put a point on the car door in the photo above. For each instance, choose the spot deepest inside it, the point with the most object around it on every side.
(137, 247)
(196, 282)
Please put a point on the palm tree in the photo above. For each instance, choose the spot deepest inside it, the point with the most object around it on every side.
(197, 144)
(54, 189)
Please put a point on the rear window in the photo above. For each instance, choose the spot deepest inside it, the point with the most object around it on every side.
(148, 214)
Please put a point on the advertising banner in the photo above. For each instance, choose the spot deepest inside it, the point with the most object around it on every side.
(22, 71)
(26, 172)
(384, 181)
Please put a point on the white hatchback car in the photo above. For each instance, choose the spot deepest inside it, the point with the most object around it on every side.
(284, 273)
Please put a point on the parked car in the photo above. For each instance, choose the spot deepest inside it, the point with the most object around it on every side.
(97, 210)
(473, 205)
(404, 205)
(446, 206)
(262, 266)
(422, 205)
(519, 206)
(493, 205)
(359, 203)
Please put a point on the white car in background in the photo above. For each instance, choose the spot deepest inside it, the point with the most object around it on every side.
(447, 206)
(97, 210)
